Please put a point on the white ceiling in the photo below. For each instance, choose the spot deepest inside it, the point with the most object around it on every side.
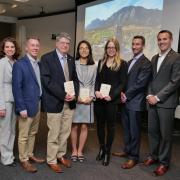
(34, 7)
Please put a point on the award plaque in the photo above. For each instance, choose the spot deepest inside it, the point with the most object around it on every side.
(84, 93)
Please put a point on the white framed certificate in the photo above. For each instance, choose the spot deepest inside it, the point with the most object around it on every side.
(84, 93)
(69, 88)
(105, 89)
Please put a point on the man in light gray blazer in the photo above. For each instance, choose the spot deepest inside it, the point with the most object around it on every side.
(162, 99)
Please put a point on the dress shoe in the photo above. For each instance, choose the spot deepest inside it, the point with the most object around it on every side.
(28, 166)
(106, 159)
(149, 162)
(65, 162)
(13, 164)
(120, 154)
(56, 168)
(100, 155)
(129, 164)
(161, 170)
(36, 160)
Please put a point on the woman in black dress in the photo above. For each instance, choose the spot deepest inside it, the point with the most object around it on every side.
(112, 70)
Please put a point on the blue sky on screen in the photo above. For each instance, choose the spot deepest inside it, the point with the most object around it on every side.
(105, 10)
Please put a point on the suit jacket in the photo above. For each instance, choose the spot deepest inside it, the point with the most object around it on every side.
(137, 83)
(5, 82)
(117, 80)
(26, 90)
(52, 77)
(166, 81)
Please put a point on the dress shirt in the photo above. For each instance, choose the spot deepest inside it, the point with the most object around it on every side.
(134, 61)
(62, 58)
(161, 58)
(34, 63)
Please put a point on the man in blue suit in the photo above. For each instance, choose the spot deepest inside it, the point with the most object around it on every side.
(26, 86)
(134, 101)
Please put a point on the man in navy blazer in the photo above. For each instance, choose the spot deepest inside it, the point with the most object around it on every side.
(57, 68)
(134, 99)
(26, 87)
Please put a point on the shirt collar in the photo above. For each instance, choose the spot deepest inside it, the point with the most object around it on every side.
(164, 54)
(60, 55)
(137, 56)
(32, 59)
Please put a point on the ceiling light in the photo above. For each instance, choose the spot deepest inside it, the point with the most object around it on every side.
(21, 0)
(14, 5)
(2, 11)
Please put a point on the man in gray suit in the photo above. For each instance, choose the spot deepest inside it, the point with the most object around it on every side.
(162, 99)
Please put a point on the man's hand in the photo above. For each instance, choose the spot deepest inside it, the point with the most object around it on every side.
(69, 97)
(123, 98)
(2, 113)
(152, 100)
(23, 114)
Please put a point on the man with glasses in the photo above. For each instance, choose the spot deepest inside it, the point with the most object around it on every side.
(58, 67)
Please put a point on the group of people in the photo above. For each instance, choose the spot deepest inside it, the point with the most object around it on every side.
(72, 90)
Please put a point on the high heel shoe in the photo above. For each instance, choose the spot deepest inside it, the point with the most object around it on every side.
(100, 155)
(106, 159)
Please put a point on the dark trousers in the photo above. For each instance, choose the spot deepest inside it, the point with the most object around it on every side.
(131, 122)
(106, 118)
(160, 127)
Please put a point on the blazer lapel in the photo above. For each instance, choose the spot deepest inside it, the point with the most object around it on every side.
(69, 67)
(58, 64)
(163, 63)
(138, 61)
(155, 66)
(29, 65)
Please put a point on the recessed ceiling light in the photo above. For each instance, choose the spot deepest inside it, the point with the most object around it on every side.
(2, 11)
(14, 5)
(21, 0)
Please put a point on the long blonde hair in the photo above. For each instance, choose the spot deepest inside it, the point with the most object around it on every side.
(117, 59)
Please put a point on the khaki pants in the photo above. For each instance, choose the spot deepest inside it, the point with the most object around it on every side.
(28, 128)
(59, 125)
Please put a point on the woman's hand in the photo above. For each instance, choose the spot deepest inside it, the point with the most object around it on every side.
(98, 95)
(107, 98)
(3, 113)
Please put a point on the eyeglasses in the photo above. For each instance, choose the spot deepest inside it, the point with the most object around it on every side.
(111, 48)
(84, 49)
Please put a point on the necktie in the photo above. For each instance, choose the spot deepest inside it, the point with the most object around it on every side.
(66, 69)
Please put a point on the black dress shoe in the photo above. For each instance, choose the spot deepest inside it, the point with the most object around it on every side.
(100, 155)
(13, 164)
(106, 159)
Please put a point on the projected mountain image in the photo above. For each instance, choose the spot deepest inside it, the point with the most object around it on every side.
(124, 24)
(129, 16)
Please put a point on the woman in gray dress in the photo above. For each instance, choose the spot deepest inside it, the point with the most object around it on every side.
(86, 71)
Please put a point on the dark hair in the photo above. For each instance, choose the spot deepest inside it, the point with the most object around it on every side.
(12, 40)
(140, 37)
(90, 60)
(166, 31)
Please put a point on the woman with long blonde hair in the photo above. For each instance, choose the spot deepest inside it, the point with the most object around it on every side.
(111, 74)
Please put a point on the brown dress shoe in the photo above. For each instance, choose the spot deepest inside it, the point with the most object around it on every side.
(129, 164)
(120, 154)
(149, 162)
(65, 162)
(161, 170)
(28, 166)
(56, 168)
(36, 160)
